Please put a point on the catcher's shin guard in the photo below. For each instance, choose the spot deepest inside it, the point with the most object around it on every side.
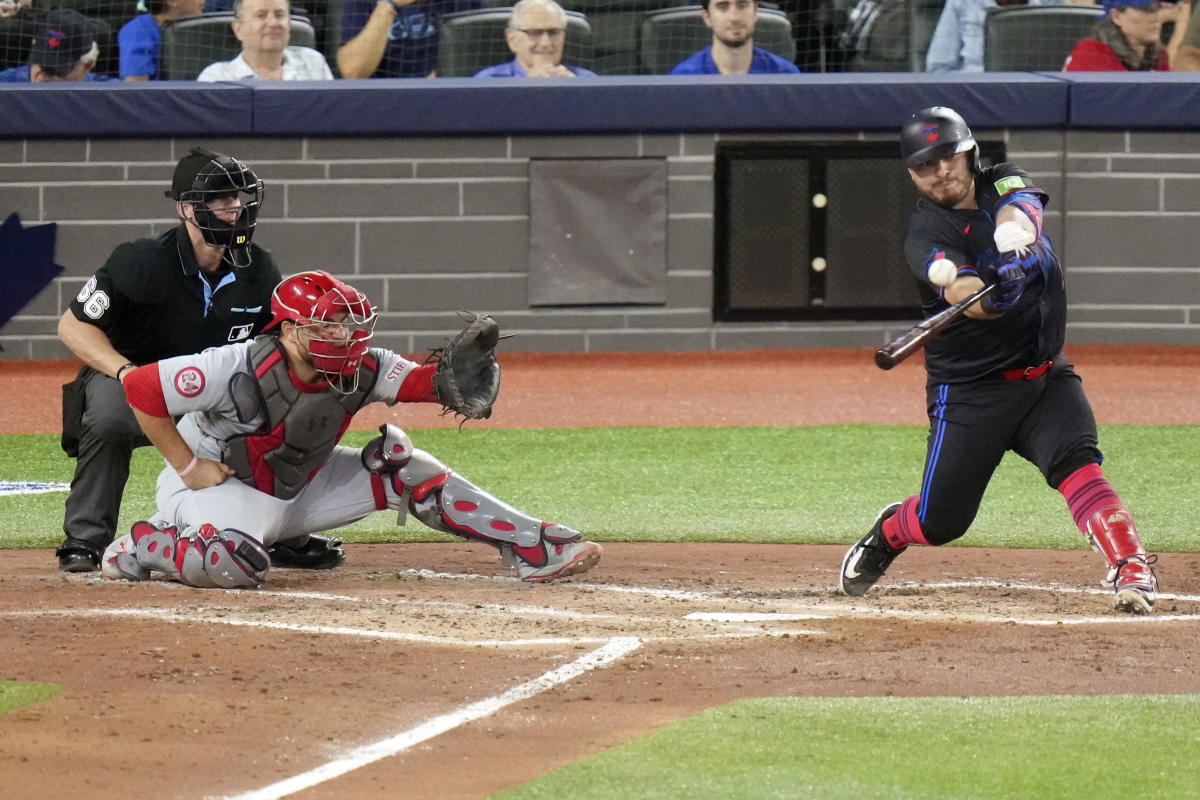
(201, 556)
(1113, 535)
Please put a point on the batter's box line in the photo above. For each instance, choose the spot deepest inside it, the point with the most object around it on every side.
(614, 649)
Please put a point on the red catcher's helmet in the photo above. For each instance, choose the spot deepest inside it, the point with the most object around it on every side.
(338, 318)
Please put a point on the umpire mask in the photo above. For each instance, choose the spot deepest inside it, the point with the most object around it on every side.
(202, 177)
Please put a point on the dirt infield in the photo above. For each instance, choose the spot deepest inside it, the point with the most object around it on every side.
(425, 671)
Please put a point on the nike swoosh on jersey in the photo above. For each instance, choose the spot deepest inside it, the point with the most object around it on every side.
(967, 229)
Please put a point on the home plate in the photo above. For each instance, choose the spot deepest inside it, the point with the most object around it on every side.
(752, 616)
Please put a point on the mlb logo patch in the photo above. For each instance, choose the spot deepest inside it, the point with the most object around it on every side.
(239, 332)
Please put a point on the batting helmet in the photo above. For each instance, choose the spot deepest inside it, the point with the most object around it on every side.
(936, 132)
(203, 176)
(339, 319)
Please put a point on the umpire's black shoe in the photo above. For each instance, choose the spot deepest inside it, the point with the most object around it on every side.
(76, 555)
(315, 552)
(864, 564)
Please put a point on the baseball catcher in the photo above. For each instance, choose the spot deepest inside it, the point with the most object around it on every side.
(256, 460)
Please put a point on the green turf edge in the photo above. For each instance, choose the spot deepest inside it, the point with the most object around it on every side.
(14, 694)
(806, 485)
(987, 748)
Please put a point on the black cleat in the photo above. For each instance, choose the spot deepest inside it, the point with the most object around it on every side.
(315, 552)
(76, 555)
(864, 564)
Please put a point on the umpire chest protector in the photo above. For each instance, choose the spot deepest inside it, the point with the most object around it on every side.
(300, 426)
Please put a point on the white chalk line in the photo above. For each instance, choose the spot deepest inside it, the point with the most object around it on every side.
(683, 594)
(199, 617)
(367, 754)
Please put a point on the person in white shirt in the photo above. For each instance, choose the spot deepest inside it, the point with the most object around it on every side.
(264, 29)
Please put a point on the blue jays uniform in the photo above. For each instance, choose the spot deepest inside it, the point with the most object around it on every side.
(994, 385)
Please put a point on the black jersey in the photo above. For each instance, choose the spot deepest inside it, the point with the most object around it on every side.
(1030, 333)
(152, 301)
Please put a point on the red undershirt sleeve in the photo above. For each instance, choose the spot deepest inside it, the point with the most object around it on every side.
(418, 385)
(144, 391)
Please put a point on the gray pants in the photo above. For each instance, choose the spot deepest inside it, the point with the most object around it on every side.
(110, 433)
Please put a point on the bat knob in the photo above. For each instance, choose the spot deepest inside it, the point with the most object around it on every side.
(884, 359)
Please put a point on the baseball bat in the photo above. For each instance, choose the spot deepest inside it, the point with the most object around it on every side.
(904, 346)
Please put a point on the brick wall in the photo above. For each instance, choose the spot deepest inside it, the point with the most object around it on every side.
(428, 226)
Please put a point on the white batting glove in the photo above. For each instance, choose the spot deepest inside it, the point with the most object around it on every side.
(1013, 235)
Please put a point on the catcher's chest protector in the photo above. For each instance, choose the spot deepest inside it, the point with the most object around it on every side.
(300, 428)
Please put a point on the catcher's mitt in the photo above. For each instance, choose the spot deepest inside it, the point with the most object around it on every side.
(467, 378)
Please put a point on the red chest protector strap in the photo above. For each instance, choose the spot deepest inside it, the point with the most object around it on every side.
(299, 426)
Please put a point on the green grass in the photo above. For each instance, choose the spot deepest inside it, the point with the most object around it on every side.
(14, 694)
(816, 485)
(991, 748)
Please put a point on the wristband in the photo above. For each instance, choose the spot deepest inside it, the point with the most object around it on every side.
(191, 465)
(123, 367)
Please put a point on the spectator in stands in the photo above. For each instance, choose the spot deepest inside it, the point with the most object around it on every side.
(393, 38)
(1187, 57)
(64, 49)
(264, 27)
(1128, 38)
(18, 27)
(732, 51)
(536, 33)
(957, 43)
(139, 38)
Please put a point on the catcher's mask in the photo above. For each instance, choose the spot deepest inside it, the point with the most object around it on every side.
(337, 319)
(936, 132)
(202, 177)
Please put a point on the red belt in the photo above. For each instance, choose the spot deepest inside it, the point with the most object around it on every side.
(1029, 373)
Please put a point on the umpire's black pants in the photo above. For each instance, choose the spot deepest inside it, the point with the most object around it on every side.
(109, 434)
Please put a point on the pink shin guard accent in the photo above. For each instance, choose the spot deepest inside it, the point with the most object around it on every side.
(903, 528)
(1086, 491)
(1113, 533)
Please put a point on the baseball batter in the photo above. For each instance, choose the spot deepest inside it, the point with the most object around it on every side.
(997, 379)
(255, 459)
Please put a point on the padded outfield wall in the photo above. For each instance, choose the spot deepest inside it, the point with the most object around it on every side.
(420, 190)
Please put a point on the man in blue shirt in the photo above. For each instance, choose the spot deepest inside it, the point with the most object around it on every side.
(140, 38)
(536, 33)
(732, 51)
(393, 38)
(64, 49)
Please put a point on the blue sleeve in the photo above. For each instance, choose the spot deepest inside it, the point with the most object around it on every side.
(139, 47)
(355, 14)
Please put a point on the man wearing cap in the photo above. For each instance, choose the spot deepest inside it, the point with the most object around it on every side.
(1128, 38)
(200, 284)
(64, 49)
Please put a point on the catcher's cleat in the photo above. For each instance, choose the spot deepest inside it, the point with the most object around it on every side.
(76, 555)
(314, 552)
(1135, 585)
(864, 564)
(563, 555)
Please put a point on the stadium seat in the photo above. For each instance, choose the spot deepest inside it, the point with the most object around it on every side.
(1021, 38)
(189, 44)
(876, 37)
(671, 35)
(616, 30)
(469, 41)
(923, 16)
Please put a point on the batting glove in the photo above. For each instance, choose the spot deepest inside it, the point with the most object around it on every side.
(1010, 281)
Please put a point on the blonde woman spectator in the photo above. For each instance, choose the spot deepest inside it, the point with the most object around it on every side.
(264, 28)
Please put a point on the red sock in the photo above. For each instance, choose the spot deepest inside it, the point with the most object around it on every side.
(1086, 491)
(903, 528)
